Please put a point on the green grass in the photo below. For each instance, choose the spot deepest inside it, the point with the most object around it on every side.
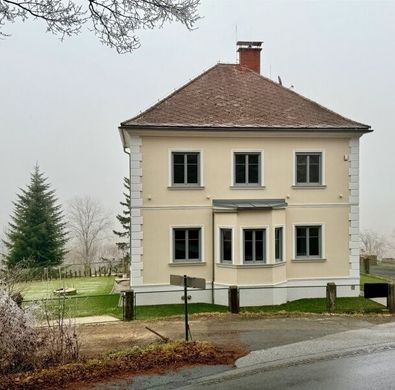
(365, 278)
(85, 286)
(318, 305)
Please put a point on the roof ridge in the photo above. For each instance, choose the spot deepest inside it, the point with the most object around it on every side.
(171, 94)
(304, 97)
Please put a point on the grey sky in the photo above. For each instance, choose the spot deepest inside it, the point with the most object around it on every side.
(61, 102)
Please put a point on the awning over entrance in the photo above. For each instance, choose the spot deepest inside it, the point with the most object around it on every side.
(249, 204)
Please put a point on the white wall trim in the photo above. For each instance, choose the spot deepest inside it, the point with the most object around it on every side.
(323, 162)
(232, 165)
(136, 201)
(186, 150)
(186, 226)
(323, 238)
(218, 242)
(267, 246)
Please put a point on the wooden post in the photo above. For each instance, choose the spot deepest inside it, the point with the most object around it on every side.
(128, 305)
(391, 298)
(331, 297)
(366, 264)
(233, 299)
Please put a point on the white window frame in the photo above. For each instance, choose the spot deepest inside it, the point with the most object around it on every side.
(323, 241)
(218, 245)
(267, 243)
(283, 246)
(170, 168)
(171, 243)
(261, 168)
(323, 176)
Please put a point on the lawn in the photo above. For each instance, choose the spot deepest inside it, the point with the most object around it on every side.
(85, 286)
(365, 278)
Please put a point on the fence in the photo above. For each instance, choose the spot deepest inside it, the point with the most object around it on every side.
(142, 305)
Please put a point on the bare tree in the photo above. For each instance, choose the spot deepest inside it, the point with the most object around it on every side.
(88, 224)
(114, 22)
(373, 243)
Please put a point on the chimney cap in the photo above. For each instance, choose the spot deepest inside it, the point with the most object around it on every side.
(249, 44)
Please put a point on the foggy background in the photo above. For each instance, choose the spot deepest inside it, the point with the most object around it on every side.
(61, 102)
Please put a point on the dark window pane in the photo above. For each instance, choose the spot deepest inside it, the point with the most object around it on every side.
(240, 158)
(301, 249)
(227, 250)
(259, 235)
(179, 250)
(192, 174)
(178, 158)
(314, 241)
(259, 252)
(248, 235)
(278, 233)
(240, 173)
(193, 234)
(192, 158)
(253, 173)
(178, 174)
(301, 168)
(314, 168)
(247, 250)
(253, 159)
(179, 234)
(193, 249)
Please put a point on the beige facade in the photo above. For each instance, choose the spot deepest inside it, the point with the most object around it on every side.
(158, 207)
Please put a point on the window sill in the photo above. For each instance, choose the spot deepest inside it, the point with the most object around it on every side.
(247, 187)
(186, 263)
(308, 260)
(308, 186)
(245, 266)
(186, 187)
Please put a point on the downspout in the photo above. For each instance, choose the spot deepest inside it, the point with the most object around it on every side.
(213, 256)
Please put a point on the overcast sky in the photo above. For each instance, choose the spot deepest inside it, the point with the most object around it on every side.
(61, 102)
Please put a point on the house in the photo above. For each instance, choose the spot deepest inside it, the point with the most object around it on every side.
(241, 181)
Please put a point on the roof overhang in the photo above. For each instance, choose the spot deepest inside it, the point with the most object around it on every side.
(248, 204)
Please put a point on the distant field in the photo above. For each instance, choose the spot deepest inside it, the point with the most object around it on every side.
(85, 286)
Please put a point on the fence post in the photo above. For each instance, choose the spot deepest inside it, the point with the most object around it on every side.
(331, 297)
(233, 299)
(128, 305)
(366, 264)
(391, 298)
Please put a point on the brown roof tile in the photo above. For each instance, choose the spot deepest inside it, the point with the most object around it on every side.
(228, 95)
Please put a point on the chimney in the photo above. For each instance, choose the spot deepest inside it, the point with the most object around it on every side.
(250, 55)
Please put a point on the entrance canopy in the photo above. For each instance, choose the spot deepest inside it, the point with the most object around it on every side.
(249, 204)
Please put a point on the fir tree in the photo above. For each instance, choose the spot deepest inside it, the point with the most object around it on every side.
(124, 220)
(36, 232)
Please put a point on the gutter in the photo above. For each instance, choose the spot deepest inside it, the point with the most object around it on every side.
(213, 256)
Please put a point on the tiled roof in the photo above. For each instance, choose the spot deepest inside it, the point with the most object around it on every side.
(228, 95)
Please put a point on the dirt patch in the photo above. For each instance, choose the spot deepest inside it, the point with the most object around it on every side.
(157, 358)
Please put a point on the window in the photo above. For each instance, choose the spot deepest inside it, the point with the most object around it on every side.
(278, 244)
(225, 245)
(254, 245)
(185, 168)
(308, 241)
(186, 244)
(308, 168)
(247, 168)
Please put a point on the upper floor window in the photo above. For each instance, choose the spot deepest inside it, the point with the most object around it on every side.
(186, 244)
(247, 169)
(225, 245)
(308, 168)
(308, 241)
(185, 168)
(254, 245)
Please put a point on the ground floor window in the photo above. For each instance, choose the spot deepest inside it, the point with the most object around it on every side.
(186, 244)
(308, 241)
(254, 245)
(225, 245)
(278, 244)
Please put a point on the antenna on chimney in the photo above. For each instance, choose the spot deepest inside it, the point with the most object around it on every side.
(279, 80)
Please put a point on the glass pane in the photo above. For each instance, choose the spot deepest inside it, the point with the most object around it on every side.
(193, 234)
(248, 235)
(178, 173)
(247, 250)
(179, 250)
(278, 244)
(192, 172)
(179, 234)
(253, 173)
(259, 250)
(226, 244)
(193, 249)
(192, 158)
(314, 241)
(314, 168)
(259, 235)
(253, 159)
(240, 173)
(178, 158)
(240, 158)
(301, 247)
(301, 168)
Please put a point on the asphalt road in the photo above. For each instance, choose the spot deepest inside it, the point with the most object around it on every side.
(370, 371)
